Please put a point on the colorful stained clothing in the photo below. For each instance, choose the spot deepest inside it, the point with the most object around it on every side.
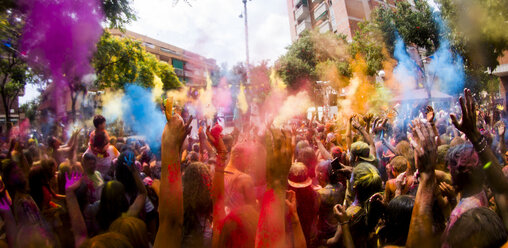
(465, 204)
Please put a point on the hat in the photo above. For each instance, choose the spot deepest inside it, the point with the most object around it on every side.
(362, 150)
(299, 176)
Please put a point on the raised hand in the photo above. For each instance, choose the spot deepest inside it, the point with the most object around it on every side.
(73, 181)
(467, 123)
(216, 140)
(430, 114)
(356, 123)
(279, 150)
(425, 146)
(501, 128)
(291, 203)
(340, 213)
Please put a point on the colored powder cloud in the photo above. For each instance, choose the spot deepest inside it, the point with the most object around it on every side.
(59, 37)
(445, 65)
(142, 115)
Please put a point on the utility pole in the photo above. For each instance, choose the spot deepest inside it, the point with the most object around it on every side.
(246, 41)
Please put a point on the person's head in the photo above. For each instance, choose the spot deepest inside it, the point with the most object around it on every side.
(397, 220)
(464, 166)
(195, 147)
(308, 158)
(398, 164)
(40, 176)
(442, 150)
(477, 227)
(123, 172)
(360, 151)
(99, 122)
(89, 163)
(366, 181)
(299, 176)
(193, 157)
(457, 141)
(197, 200)
(37, 237)
(337, 153)
(13, 177)
(100, 141)
(228, 142)
(300, 145)
(108, 240)
(113, 203)
(323, 172)
(54, 142)
(241, 156)
(133, 228)
(404, 149)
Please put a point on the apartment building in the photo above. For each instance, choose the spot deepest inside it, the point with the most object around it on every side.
(338, 16)
(191, 68)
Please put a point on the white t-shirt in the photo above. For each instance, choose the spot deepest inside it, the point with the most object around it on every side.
(104, 163)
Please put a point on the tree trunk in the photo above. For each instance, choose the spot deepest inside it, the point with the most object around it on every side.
(7, 114)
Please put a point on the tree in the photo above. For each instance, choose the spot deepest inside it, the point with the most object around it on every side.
(30, 109)
(122, 61)
(366, 44)
(14, 72)
(477, 30)
(415, 24)
(118, 12)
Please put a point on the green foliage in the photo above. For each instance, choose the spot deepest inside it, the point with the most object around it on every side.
(168, 76)
(118, 12)
(414, 24)
(366, 44)
(121, 61)
(30, 109)
(478, 30)
(14, 73)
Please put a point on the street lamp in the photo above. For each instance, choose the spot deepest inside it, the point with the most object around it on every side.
(246, 39)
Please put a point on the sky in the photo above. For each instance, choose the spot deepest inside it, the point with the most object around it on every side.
(212, 28)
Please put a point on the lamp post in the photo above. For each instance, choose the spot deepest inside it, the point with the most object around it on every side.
(246, 39)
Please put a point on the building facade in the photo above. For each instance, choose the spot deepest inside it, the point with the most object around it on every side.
(191, 68)
(338, 16)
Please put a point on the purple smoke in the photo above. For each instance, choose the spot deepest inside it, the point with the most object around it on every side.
(59, 38)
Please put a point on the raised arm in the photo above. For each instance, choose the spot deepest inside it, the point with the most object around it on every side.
(430, 118)
(420, 230)
(366, 136)
(296, 227)
(492, 168)
(171, 198)
(77, 221)
(271, 226)
(218, 187)
(139, 202)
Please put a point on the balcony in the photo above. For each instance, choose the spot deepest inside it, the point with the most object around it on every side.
(303, 26)
(320, 11)
(298, 3)
(324, 27)
(301, 13)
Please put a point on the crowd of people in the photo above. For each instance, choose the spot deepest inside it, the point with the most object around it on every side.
(433, 178)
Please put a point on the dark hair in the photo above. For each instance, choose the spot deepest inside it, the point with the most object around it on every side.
(39, 177)
(477, 227)
(113, 203)
(98, 120)
(197, 200)
(397, 220)
(124, 175)
(13, 177)
(100, 139)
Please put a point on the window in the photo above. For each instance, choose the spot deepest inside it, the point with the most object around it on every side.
(148, 44)
(166, 50)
